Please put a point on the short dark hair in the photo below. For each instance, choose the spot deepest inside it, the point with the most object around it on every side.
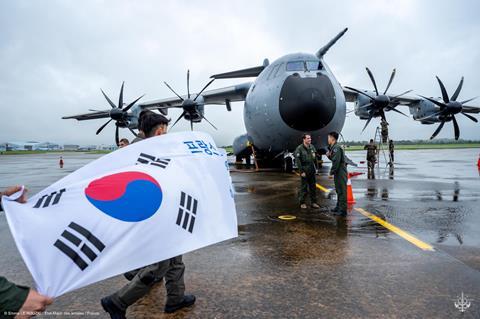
(304, 136)
(371, 140)
(334, 135)
(124, 140)
(148, 121)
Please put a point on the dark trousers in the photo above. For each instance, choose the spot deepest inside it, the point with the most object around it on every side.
(308, 185)
(171, 269)
(371, 169)
(341, 189)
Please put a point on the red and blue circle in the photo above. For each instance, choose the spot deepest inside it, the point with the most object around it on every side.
(126, 196)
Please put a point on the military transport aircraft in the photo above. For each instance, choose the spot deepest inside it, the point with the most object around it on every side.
(296, 93)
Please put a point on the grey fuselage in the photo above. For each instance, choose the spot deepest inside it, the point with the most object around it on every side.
(284, 103)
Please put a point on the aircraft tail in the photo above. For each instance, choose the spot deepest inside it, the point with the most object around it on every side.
(320, 53)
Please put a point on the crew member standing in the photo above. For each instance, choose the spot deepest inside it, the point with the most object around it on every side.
(61, 162)
(371, 158)
(384, 125)
(305, 157)
(152, 124)
(339, 172)
(391, 148)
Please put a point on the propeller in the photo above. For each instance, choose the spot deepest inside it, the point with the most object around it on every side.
(380, 103)
(191, 106)
(119, 114)
(448, 108)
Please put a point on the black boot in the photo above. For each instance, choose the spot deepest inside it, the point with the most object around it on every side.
(114, 311)
(188, 300)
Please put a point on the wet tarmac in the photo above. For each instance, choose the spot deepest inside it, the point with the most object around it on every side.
(316, 265)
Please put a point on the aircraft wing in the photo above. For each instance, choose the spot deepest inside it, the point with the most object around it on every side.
(351, 96)
(221, 96)
(89, 116)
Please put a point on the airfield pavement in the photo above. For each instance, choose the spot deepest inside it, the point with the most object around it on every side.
(315, 266)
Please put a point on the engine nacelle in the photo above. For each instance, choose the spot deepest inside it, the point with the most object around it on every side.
(423, 109)
(363, 113)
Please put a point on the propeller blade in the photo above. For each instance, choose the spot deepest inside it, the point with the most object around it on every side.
(457, 91)
(181, 115)
(390, 81)
(133, 132)
(382, 115)
(401, 94)
(365, 106)
(439, 128)
(456, 128)
(191, 125)
(444, 92)
(168, 86)
(470, 117)
(466, 101)
(368, 121)
(442, 105)
(359, 92)
(117, 139)
(395, 110)
(132, 104)
(108, 99)
(103, 126)
(188, 84)
(203, 117)
(373, 80)
(206, 86)
(120, 98)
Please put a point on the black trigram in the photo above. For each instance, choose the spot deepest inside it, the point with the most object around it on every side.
(85, 245)
(46, 200)
(187, 212)
(152, 160)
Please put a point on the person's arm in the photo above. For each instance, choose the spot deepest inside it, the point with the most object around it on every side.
(298, 159)
(336, 159)
(12, 297)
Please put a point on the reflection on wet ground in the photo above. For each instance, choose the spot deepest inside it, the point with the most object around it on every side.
(314, 265)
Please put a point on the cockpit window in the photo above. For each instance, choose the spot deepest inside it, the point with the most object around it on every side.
(314, 65)
(296, 66)
(304, 66)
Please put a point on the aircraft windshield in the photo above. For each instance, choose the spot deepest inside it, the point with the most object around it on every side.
(304, 66)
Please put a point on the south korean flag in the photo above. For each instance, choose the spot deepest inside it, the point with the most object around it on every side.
(141, 204)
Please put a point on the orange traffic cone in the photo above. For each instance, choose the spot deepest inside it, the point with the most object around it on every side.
(478, 162)
(350, 198)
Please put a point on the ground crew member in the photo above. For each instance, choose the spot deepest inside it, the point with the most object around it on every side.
(19, 300)
(60, 162)
(152, 124)
(371, 158)
(391, 148)
(305, 157)
(384, 125)
(339, 172)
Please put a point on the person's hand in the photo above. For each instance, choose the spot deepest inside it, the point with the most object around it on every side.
(13, 189)
(303, 175)
(328, 154)
(34, 303)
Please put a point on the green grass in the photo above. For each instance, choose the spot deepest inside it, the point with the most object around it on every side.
(421, 146)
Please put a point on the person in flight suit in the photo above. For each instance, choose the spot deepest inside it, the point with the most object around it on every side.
(371, 158)
(143, 279)
(339, 172)
(305, 157)
(391, 149)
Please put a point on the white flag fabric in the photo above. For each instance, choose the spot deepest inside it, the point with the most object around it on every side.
(147, 202)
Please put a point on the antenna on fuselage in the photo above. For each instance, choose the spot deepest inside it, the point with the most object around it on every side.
(320, 53)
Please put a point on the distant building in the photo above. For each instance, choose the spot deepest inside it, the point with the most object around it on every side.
(107, 147)
(70, 147)
(88, 148)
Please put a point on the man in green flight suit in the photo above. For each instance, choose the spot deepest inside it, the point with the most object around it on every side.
(339, 172)
(305, 157)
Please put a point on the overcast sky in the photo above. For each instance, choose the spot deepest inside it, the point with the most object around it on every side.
(56, 55)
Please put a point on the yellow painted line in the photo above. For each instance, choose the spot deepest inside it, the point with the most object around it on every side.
(320, 187)
(417, 242)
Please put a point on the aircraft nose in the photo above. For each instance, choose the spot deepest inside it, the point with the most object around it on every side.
(307, 104)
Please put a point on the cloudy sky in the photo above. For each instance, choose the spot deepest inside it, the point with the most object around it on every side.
(56, 55)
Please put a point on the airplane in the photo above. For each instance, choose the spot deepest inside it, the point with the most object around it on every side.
(295, 94)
